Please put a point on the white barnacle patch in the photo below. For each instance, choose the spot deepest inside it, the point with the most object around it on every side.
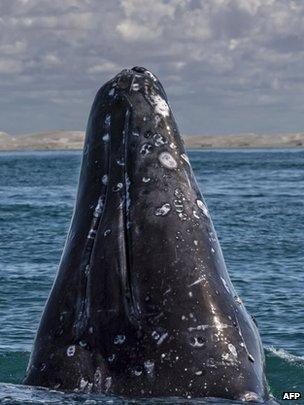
(83, 383)
(135, 133)
(107, 120)
(195, 214)
(238, 300)
(185, 157)
(160, 105)
(105, 179)
(108, 383)
(149, 366)
(92, 234)
(146, 179)
(119, 339)
(71, 351)
(118, 187)
(199, 372)
(145, 149)
(159, 140)
(183, 216)
(157, 120)
(137, 372)
(147, 72)
(172, 145)
(179, 194)
(195, 242)
(155, 335)
(107, 232)
(163, 210)
(197, 342)
(232, 349)
(120, 162)
(202, 207)
(111, 92)
(226, 356)
(225, 284)
(111, 358)
(98, 377)
(250, 396)
(178, 204)
(162, 338)
(106, 138)
(198, 327)
(135, 86)
(99, 207)
(167, 160)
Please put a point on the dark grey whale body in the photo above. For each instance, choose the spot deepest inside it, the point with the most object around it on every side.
(142, 304)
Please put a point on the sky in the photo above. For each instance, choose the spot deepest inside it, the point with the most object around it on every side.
(228, 66)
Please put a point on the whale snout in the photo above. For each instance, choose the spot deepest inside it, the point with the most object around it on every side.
(138, 79)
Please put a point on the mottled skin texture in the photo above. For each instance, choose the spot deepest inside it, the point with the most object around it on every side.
(142, 304)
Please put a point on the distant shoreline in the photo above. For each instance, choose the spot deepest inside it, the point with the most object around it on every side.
(73, 140)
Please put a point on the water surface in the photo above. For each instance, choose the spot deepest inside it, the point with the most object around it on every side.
(256, 200)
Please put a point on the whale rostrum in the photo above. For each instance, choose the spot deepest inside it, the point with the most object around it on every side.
(142, 304)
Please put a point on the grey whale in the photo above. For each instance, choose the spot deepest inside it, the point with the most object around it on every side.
(142, 304)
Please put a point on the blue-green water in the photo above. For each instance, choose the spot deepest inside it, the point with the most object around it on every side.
(256, 199)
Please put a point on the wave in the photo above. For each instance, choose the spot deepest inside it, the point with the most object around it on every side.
(285, 372)
(285, 355)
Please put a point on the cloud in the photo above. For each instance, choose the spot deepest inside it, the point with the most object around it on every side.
(227, 65)
(10, 66)
(103, 67)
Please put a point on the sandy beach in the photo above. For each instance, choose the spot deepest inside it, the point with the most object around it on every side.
(66, 140)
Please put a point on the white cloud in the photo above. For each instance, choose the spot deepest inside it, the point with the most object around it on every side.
(51, 60)
(133, 31)
(10, 66)
(212, 55)
(104, 67)
(14, 48)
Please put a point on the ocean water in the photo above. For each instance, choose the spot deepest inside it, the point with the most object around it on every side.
(256, 199)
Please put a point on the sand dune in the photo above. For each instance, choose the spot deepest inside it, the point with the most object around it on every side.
(43, 141)
(74, 140)
(247, 141)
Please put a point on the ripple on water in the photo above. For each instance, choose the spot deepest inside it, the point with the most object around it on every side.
(256, 202)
